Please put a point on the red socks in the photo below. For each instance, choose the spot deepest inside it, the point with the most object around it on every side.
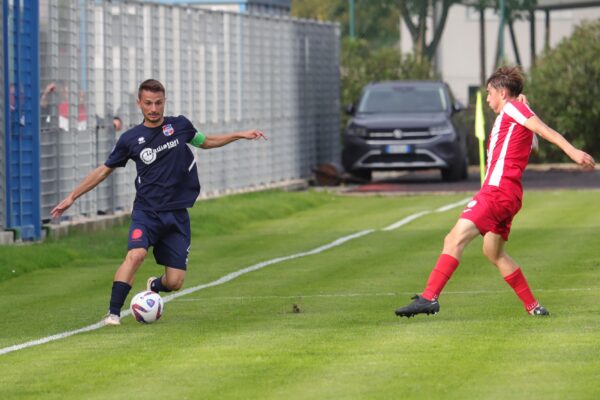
(445, 266)
(517, 281)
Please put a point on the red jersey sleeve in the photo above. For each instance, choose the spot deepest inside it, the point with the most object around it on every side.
(518, 111)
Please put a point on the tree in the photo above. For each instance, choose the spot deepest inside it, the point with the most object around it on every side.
(316, 9)
(564, 89)
(375, 21)
(372, 55)
(422, 9)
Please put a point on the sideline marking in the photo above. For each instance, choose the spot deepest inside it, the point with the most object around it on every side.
(219, 281)
(47, 339)
(233, 275)
(454, 205)
(405, 220)
(263, 264)
(412, 217)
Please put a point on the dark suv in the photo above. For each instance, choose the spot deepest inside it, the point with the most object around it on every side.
(405, 125)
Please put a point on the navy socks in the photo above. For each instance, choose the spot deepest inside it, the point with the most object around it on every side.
(119, 293)
(157, 286)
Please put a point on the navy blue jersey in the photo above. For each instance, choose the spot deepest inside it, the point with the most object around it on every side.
(167, 178)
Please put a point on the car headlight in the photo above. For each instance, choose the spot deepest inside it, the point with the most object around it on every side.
(355, 130)
(443, 129)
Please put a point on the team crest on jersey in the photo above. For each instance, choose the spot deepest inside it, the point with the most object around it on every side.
(168, 130)
(137, 234)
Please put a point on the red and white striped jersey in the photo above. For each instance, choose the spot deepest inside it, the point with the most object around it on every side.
(509, 147)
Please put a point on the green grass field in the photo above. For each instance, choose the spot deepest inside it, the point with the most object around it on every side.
(241, 339)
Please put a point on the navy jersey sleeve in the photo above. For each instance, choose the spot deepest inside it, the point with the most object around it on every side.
(119, 155)
(188, 129)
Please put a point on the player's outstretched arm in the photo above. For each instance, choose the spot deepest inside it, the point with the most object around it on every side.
(87, 184)
(580, 157)
(213, 141)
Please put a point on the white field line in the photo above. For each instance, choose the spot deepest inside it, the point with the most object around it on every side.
(263, 264)
(233, 275)
(405, 221)
(412, 217)
(47, 339)
(390, 294)
(453, 205)
(219, 281)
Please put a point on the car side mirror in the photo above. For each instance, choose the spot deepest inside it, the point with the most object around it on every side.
(457, 107)
(350, 109)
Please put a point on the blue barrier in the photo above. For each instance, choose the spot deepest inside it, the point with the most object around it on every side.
(21, 77)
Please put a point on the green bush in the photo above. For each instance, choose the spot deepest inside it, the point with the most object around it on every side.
(564, 90)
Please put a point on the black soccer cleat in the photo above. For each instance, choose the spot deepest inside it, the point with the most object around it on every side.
(419, 305)
(539, 311)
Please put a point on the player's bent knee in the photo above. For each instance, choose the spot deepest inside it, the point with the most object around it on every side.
(136, 256)
(491, 255)
(174, 283)
(488, 254)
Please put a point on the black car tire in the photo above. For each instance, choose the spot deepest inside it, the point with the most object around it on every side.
(457, 172)
(363, 174)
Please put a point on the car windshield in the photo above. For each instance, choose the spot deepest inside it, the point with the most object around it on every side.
(407, 99)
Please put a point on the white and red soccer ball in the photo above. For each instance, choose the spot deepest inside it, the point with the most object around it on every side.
(146, 307)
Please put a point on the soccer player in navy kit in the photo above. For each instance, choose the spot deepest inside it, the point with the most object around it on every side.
(166, 186)
(491, 211)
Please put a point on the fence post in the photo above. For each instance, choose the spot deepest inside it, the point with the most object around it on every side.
(21, 75)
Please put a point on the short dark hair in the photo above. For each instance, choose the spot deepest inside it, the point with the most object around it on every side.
(509, 78)
(151, 85)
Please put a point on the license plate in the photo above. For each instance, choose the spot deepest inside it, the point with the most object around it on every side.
(398, 149)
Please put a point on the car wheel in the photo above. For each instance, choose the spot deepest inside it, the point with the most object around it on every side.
(363, 174)
(457, 172)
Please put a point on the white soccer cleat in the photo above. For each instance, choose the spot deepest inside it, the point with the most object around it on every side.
(149, 283)
(112, 319)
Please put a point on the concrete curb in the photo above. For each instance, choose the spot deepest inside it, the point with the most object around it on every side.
(83, 225)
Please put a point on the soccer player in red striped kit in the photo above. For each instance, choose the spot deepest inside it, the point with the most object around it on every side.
(492, 209)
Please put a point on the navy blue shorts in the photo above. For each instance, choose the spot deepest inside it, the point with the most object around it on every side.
(167, 231)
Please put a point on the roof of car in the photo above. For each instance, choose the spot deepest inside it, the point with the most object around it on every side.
(406, 83)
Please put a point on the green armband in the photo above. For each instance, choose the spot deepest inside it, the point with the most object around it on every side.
(198, 139)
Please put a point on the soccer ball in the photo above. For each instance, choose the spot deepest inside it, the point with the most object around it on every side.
(146, 307)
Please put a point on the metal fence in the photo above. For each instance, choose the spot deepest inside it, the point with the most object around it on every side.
(224, 71)
(2, 138)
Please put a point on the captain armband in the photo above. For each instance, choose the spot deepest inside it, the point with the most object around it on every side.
(198, 139)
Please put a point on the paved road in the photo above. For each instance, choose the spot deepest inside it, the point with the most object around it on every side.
(534, 178)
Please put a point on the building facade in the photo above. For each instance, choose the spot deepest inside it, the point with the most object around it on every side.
(458, 55)
(268, 7)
